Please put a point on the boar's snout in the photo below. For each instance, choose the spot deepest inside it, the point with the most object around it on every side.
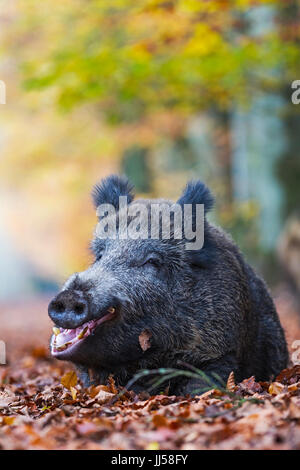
(73, 307)
(69, 309)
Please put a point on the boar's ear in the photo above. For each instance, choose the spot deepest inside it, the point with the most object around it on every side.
(110, 189)
(194, 193)
(197, 192)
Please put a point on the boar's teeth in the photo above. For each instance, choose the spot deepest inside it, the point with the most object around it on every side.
(64, 346)
(56, 330)
(82, 333)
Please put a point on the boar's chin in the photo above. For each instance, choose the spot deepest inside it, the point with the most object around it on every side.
(67, 342)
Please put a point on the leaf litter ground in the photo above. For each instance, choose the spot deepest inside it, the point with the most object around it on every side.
(43, 405)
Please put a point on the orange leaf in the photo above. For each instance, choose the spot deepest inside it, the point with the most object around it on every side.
(159, 421)
(112, 385)
(95, 389)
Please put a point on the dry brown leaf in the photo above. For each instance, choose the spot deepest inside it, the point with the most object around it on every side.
(231, 382)
(112, 385)
(206, 395)
(95, 389)
(69, 380)
(287, 374)
(103, 397)
(159, 421)
(39, 413)
(145, 339)
(250, 386)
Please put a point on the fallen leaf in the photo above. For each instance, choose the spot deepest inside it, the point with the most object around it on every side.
(69, 380)
(95, 389)
(287, 374)
(159, 421)
(153, 446)
(250, 386)
(276, 388)
(73, 392)
(103, 397)
(9, 420)
(294, 387)
(112, 385)
(144, 339)
(37, 412)
(231, 382)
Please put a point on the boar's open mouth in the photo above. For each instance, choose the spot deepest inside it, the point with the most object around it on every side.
(65, 339)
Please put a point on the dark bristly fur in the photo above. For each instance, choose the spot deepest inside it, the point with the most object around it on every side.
(206, 308)
(196, 191)
(110, 189)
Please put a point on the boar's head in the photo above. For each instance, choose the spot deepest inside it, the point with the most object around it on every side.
(132, 286)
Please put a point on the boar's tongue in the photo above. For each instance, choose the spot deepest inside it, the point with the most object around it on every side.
(63, 338)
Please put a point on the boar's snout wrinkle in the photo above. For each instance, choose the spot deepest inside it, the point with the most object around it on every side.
(152, 303)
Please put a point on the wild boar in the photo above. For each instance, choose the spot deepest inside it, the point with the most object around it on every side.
(203, 308)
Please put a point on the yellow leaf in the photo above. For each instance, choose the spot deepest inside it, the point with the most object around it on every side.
(9, 420)
(69, 380)
(73, 393)
(153, 446)
(276, 388)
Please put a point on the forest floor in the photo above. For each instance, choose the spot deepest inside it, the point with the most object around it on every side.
(44, 406)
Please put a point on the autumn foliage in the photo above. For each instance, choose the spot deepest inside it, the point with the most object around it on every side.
(43, 405)
(39, 409)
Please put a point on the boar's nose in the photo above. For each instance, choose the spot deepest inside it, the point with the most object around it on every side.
(69, 309)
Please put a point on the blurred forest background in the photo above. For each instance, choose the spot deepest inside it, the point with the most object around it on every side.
(161, 90)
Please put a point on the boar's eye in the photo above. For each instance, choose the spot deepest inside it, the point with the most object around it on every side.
(152, 261)
(98, 256)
